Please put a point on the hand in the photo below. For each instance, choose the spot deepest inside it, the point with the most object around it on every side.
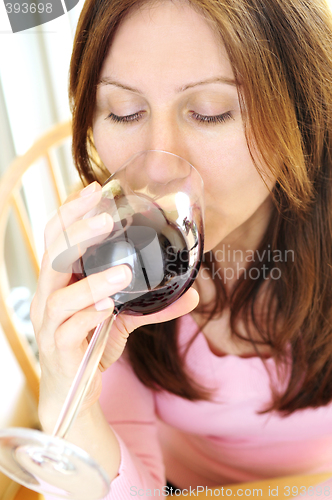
(64, 311)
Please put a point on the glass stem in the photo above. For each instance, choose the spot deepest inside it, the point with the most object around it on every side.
(83, 378)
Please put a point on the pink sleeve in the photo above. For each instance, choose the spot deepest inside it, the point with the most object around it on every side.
(130, 409)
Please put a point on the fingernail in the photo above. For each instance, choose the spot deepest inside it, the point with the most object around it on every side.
(103, 304)
(89, 189)
(116, 275)
(98, 221)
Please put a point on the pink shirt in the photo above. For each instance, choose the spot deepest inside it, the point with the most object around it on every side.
(209, 443)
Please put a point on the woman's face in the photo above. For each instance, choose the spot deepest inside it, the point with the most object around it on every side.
(167, 84)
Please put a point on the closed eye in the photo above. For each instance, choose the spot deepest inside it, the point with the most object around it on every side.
(212, 119)
(126, 118)
(201, 118)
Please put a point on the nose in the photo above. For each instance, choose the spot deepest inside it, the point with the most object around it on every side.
(163, 167)
(167, 178)
(156, 172)
(164, 133)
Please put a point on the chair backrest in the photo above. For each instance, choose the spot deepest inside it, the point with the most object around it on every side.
(13, 201)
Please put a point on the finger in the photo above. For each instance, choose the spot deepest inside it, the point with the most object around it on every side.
(65, 251)
(69, 342)
(74, 208)
(126, 324)
(186, 303)
(77, 205)
(66, 302)
(74, 241)
(84, 192)
(73, 333)
(56, 266)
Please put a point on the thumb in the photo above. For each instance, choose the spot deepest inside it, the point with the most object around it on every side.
(125, 324)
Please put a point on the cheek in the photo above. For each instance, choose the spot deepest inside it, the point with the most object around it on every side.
(233, 188)
(114, 149)
(230, 177)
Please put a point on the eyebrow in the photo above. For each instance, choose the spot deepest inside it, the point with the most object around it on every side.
(217, 79)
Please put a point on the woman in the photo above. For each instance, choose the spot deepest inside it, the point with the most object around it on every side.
(240, 388)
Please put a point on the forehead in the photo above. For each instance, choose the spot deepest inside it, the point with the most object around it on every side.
(167, 41)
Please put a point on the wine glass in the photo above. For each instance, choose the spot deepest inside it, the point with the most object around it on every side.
(156, 202)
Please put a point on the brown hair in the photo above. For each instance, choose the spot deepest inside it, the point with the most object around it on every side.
(280, 52)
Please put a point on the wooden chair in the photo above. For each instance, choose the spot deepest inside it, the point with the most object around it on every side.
(11, 197)
(13, 206)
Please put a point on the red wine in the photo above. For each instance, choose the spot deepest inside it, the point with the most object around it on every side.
(164, 259)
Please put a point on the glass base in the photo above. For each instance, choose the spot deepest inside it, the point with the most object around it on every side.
(51, 466)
